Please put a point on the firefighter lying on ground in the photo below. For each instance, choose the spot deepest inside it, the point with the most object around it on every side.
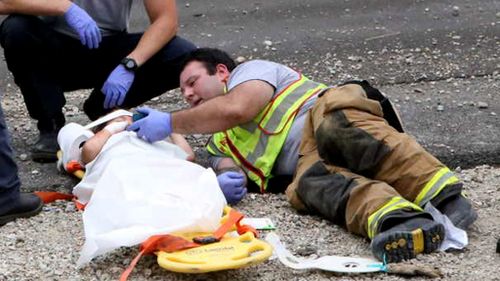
(350, 164)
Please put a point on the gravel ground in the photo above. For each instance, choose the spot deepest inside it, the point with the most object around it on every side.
(47, 246)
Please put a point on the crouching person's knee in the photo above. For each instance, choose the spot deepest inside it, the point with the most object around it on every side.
(14, 32)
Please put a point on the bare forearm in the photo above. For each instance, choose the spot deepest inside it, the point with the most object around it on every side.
(163, 28)
(34, 7)
(94, 145)
(153, 39)
(180, 141)
(239, 106)
(208, 118)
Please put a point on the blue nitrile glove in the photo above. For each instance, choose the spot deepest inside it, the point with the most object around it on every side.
(84, 25)
(233, 186)
(155, 126)
(116, 86)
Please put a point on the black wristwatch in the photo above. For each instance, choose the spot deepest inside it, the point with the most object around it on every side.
(129, 64)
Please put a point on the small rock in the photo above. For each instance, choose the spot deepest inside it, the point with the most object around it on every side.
(23, 157)
(440, 107)
(355, 58)
(306, 250)
(268, 43)
(240, 59)
(187, 5)
(455, 11)
(482, 105)
(35, 172)
(70, 208)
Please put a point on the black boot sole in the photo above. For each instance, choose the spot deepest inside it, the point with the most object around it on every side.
(403, 245)
(8, 218)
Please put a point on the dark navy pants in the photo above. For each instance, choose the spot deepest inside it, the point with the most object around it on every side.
(9, 181)
(46, 63)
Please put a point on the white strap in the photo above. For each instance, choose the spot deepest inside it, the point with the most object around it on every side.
(328, 263)
(106, 118)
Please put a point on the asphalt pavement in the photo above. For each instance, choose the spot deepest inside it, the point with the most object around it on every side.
(438, 60)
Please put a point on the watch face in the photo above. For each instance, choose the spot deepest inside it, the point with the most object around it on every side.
(130, 64)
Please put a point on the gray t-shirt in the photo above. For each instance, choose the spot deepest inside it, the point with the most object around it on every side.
(279, 76)
(111, 16)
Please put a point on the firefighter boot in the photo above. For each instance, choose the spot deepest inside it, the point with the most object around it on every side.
(458, 209)
(407, 239)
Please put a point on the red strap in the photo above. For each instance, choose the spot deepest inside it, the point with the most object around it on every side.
(234, 218)
(51, 196)
(129, 269)
(73, 166)
(170, 243)
(79, 206)
(167, 243)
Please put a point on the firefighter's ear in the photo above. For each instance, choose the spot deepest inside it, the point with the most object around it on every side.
(222, 71)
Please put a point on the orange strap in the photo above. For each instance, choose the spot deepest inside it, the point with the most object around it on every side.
(51, 196)
(171, 243)
(168, 243)
(73, 166)
(234, 218)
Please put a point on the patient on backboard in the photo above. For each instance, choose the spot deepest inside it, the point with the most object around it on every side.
(93, 145)
(133, 189)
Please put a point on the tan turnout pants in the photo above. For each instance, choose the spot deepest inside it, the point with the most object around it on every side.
(364, 162)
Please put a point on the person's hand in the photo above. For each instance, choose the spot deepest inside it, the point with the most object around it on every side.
(84, 25)
(116, 86)
(116, 127)
(233, 186)
(155, 126)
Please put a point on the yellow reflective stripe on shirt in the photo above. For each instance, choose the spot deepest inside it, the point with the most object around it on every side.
(395, 203)
(441, 179)
(287, 102)
(213, 149)
(256, 144)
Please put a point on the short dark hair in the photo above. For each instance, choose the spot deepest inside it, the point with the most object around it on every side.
(210, 57)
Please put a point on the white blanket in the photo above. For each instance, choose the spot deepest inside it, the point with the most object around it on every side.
(134, 190)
